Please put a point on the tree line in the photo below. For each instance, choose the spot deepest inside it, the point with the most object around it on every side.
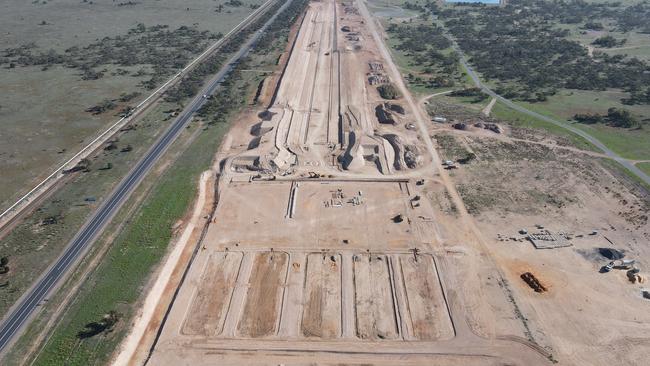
(521, 46)
(157, 48)
(428, 47)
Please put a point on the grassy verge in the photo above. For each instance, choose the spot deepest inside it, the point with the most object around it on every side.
(518, 119)
(645, 167)
(618, 169)
(116, 284)
(629, 143)
(471, 103)
(28, 344)
(41, 236)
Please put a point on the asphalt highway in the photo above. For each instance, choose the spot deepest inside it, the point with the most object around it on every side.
(29, 303)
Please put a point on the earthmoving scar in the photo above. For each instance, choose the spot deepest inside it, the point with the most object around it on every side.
(627, 264)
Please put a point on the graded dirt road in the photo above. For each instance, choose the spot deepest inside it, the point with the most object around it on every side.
(324, 247)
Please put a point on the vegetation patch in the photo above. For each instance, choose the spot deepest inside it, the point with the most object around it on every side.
(388, 91)
(476, 94)
(99, 317)
(608, 41)
(158, 49)
(451, 148)
(432, 63)
(614, 117)
(645, 167)
(535, 58)
(523, 124)
(482, 187)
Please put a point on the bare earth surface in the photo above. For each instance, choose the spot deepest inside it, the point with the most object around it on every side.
(337, 238)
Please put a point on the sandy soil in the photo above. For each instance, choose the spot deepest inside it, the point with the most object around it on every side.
(325, 179)
(210, 304)
(264, 295)
(374, 298)
(426, 306)
(377, 263)
(322, 314)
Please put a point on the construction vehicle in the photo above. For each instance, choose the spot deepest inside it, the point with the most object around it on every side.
(618, 264)
(623, 263)
(634, 276)
(449, 164)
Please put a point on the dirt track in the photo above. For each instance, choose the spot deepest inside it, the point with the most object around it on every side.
(326, 246)
(374, 298)
(264, 295)
(210, 304)
(322, 314)
(342, 266)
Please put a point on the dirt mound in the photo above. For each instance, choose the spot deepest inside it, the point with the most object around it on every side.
(611, 254)
(412, 156)
(384, 115)
(266, 115)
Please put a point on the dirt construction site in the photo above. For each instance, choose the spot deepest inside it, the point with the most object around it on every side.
(324, 245)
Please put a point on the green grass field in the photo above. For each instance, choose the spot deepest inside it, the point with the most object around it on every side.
(629, 143)
(645, 167)
(469, 102)
(566, 103)
(117, 283)
(43, 112)
(519, 119)
(390, 9)
(31, 245)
